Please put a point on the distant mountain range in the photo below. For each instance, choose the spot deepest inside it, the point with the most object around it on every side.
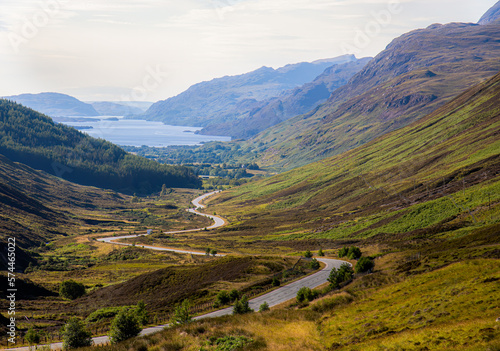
(55, 104)
(62, 105)
(217, 104)
(414, 75)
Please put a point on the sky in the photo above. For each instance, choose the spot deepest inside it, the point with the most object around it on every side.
(150, 50)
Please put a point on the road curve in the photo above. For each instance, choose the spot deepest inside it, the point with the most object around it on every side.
(273, 298)
(218, 222)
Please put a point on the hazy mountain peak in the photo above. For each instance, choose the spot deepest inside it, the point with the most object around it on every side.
(491, 15)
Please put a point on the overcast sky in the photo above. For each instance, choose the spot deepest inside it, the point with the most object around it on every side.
(153, 49)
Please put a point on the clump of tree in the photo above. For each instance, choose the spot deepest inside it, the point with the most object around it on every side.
(352, 252)
(126, 325)
(342, 275)
(69, 289)
(224, 298)
(75, 334)
(306, 294)
(182, 314)
(34, 139)
(314, 264)
(364, 264)
(242, 306)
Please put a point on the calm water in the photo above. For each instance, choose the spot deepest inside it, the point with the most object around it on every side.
(138, 132)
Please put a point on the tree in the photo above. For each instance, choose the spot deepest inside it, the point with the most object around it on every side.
(214, 252)
(305, 294)
(32, 337)
(321, 253)
(341, 275)
(343, 252)
(242, 306)
(75, 334)
(308, 254)
(181, 314)
(234, 295)
(264, 307)
(276, 282)
(354, 253)
(364, 264)
(124, 326)
(314, 264)
(222, 298)
(207, 251)
(142, 313)
(71, 290)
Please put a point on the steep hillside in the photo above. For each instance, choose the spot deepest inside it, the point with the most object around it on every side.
(37, 207)
(440, 176)
(267, 113)
(34, 139)
(55, 105)
(221, 99)
(416, 74)
(492, 15)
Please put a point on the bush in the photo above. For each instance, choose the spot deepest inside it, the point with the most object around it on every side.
(181, 314)
(222, 298)
(305, 294)
(125, 326)
(234, 295)
(314, 264)
(321, 253)
(75, 334)
(343, 252)
(71, 290)
(364, 264)
(308, 254)
(264, 307)
(276, 282)
(141, 313)
(242, 306)
(32, 336)
(341, 275)
(354, 253)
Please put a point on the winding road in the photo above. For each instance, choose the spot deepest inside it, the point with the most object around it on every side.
(273, 298)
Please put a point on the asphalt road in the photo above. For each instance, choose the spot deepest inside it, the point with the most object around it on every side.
(273, 298)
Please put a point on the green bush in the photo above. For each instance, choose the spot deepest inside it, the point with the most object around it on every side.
(305, 294)
(343, 252)
(308, 254)
(222, 298)
(234, 295)
(341, 275)
(141, 313)
(314, 264)
(75, 334)
(181, 314)
(364, 264)
(321, 253)
(276, 282)
(264, 307)
(242, 306)
(32, 336)
(354, 253)
(71, 290)
(125, 326)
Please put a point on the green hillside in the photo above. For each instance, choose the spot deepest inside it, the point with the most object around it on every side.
(438, 175)
(34, 139)
(417, 73)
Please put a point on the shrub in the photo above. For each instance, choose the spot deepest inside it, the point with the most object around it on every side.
(276, 282)
(242, 306)
(71, 290)
(181, 314)
(364, 264)
(32, 337)
(341, 275)
(222, 298)
(214, 252)
(141, 313)
(343, 252)
(75, 334)
(305, 294)
(125, 326)
(308, 254)
(314, 264)
(354, 253)
(321, 253)
(234, 295)
(264, 307)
